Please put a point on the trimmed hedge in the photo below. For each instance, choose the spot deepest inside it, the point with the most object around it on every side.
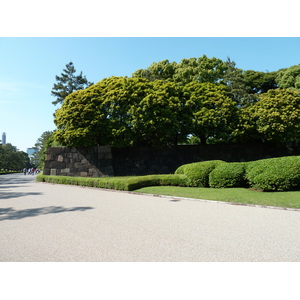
(228, 175)
(275, 174)
(117, 183)
(198, 173)
(2, 172)
(272, 174)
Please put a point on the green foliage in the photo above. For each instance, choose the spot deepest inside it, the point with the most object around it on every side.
(289, 78)
(117, 183)
(277, 115)
(12, 159)
(157, 119)
(67, 83)
(198, 173)
(235, 195)
(246, 129)
(202, 69)
(228, 175)
(44, 141)
(213, 113)
(101, 114)
(181, 169)
(274, 174)
(260, 82)
(207, 99)
(2, 172)
(123, 112)
(163, 70)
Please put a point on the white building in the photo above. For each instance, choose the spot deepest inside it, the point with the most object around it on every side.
(3, 138)
(31, 151)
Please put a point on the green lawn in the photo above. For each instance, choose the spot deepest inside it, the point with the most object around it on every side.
(236, 195)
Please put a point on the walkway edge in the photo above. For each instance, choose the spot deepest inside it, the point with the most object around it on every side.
(178, 198)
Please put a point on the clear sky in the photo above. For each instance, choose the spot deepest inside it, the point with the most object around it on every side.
(28, 66)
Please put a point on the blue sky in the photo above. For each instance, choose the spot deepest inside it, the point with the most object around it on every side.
(28, 66)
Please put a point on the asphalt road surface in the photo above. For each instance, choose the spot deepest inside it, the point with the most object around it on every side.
(41, 222)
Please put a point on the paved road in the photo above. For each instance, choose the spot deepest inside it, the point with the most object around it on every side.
(42, 222)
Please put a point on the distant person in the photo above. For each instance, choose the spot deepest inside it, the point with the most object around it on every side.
(24, 171)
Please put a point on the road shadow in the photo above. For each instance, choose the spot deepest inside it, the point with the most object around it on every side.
(11, 186)
(12, 214)
(10, 195)
(16, 179)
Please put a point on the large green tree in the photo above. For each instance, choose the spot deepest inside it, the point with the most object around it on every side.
(12, 159)
(259, 82)
(213, 113)
(162, 70)
(67, 83)
(100, 114)
(277, 115)
(122, 111)
(202, 69)
(289, 78)
(44, 141)
(158, 119)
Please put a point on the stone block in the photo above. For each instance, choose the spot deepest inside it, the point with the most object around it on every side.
(83, 174)
(66, 170)
(78, 165)
(53, 172)
(49, 157)
(84, 161)
(60, 158)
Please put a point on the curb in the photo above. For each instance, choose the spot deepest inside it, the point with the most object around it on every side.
(175, 198)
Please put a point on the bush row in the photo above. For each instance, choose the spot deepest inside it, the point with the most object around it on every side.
(118, 183)
(3, 172)
(273, 174)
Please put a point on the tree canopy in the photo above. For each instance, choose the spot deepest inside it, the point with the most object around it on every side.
(12, 159)
(289, 78)
(67, 83)
(203, 99)
(277, 115)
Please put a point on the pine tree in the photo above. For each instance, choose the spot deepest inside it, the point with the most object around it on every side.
(67, 83)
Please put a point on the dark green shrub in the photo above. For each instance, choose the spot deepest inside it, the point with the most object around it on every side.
(198, 173)
(181, 169)
(118, 183)
(228, 175)
(275, 174)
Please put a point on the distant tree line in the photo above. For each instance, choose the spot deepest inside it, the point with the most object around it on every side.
(12, 159)
(198, 100)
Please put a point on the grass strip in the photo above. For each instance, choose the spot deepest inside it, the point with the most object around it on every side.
(289, 199)
(173, 185)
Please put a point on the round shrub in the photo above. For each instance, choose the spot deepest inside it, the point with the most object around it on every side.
(180, 170)
(228, 175)
(254, 168)
(198, 173)
(276, 174)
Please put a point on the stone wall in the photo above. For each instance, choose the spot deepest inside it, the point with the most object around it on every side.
(110, 161)
(84, 162)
